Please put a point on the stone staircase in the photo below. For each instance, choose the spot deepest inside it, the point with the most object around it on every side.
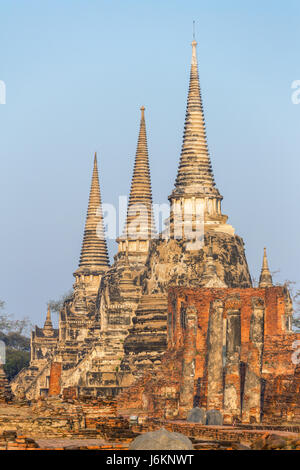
(147, 339)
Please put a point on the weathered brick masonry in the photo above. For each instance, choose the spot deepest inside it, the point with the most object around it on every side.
(55, 379)
(238, 358)
(5, 392)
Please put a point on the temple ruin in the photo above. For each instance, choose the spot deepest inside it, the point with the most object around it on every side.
(174, 322)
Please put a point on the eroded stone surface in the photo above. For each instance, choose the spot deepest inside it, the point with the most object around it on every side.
(197, 415)
(214, 418)
(161, 440)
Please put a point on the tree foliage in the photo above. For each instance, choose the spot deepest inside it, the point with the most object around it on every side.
(14, 333)
(296, 299)
(16, 360)
(56, 305)
(8, 324)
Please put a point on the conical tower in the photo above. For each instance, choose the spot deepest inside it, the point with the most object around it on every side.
(48, 327)
(265, 279)
(195, 194)
(195, 174)
(94, 255)
(139, 226)
(94, 259)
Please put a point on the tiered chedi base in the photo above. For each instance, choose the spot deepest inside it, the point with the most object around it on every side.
(171, 264)
(147, 339)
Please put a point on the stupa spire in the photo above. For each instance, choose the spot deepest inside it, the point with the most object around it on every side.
(195, 175)
(48, 323)
(265, 279)
(140, 222)
(94, 255)
(195, 200)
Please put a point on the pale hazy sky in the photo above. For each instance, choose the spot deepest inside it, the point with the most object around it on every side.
(77, 73)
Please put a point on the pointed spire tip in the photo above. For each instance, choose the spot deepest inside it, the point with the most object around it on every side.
(95, 162)
(194, 54)
(48, 322)
(140, 190)
(265, 279)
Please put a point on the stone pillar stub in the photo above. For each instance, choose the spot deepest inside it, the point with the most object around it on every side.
(232, 399)
(55, 379)
(188, 363)
(215, 361)
(251, 412)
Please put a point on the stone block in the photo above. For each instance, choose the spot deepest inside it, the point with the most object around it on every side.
(197, 415)
(214, 418)
(161, 440)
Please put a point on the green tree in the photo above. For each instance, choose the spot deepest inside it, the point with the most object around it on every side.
(15, 335)
(15, 361)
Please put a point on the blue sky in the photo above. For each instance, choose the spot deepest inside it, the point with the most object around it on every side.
(77, 73)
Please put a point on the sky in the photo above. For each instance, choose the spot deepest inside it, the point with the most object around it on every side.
(76, 73)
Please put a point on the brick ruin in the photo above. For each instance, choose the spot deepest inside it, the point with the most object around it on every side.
(174, 321)
(230, 350)
(58, 424)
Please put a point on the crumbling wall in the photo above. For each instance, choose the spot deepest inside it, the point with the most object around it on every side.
(227, 361)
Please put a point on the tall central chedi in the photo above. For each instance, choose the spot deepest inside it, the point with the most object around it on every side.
(197, 248)
(197, 232)
(195, 200)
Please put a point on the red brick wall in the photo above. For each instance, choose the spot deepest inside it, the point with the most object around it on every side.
(55, 379)
(274, 298)
(159, 395)
(278, 343)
